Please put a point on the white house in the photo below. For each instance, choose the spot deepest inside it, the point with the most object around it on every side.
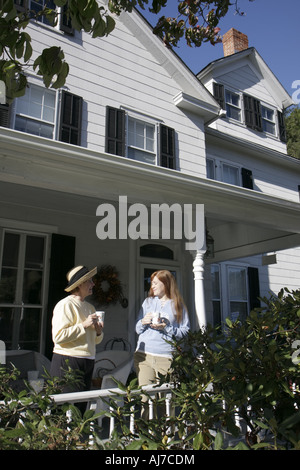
(132, 129)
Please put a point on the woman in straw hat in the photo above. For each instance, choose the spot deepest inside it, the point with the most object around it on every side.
(75, 329)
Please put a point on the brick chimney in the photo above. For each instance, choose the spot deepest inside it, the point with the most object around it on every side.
(234, 41)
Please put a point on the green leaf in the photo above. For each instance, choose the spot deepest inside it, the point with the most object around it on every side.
(110, 25)
(198, 441)
(60, 3)
(218, 441)
(28, 51)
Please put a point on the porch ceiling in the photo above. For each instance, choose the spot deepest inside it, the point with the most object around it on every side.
(242, 222)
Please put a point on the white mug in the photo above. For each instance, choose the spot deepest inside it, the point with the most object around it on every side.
(100, 314)
(155, 318)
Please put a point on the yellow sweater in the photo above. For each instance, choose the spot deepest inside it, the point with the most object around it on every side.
(69, 336)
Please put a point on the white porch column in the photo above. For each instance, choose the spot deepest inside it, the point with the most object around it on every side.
(198, 269)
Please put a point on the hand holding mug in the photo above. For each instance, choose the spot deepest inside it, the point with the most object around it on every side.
(147, 319)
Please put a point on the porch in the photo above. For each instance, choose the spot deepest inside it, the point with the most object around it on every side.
(57, 196)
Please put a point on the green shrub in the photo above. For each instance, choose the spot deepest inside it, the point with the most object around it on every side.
(232, 388)
(244, 373)
(32, 421)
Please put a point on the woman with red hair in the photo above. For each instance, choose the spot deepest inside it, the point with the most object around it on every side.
(162, 316)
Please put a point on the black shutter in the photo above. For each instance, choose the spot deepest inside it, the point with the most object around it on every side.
(115, 131)
(281, 126)
(61, 261)
(70, 118)
(254, 292)
(252, 112)
(218, 91)
(4, 115)
(247, 179)
(167, 147)
(65, 21)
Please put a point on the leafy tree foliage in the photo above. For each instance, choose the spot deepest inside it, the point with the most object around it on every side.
(292, 122)
(197, 21)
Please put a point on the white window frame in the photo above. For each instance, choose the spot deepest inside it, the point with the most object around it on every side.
(211, 164)
(46, 25)
(146, 120)
(218, 298)
(229, 105)
(29, 229)
(218, 169)
(234, 315)
(234, 167)
(30, 117)
(225, 300)
(271, 122)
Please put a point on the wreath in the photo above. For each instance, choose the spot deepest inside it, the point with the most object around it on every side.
(108, 288)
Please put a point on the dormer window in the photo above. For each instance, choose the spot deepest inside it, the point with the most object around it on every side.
(268, 120)
(233, 106)
(250, 111)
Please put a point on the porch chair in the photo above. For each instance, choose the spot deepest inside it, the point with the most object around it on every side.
(25, 361)
(110, 364)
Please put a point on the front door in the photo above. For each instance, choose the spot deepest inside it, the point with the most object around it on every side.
(22, 283)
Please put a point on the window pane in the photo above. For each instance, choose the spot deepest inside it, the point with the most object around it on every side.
(233, 113)
(11, 250)
(210, 169)
(217, 316)
(38, 5)
(267, 113)
(233, 105)
(238, 310)
(34, 255)
(30, 329)
(237, 284)
(268, 120)
(8, 283)
(215, 279)
(33, 127)
(230, 175)
(141, 135)
(150, 138)
(156, 251)
(35, 112)
(32, 287)
(141, 156)
(33, 274)
(6, 321)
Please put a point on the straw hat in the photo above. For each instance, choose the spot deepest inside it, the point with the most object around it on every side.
(77, 276)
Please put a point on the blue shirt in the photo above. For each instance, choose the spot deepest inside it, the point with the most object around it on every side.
(152, 341)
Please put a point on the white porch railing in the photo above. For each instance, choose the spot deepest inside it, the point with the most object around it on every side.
(95, 398)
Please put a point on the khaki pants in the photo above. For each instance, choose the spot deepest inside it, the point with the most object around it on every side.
(147, 368)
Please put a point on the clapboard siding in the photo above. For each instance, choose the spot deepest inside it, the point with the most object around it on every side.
(120, 71)
(272, 177)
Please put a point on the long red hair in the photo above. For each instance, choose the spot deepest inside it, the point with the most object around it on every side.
(171, 291)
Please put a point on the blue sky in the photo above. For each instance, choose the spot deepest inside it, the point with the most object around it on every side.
(272, 27)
